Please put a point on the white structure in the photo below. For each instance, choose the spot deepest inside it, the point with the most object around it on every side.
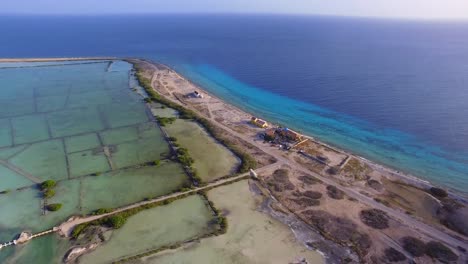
(197, 94)
(253, 174)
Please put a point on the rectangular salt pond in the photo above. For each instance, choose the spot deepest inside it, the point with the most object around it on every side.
(153, 228)
(67, 121)
(67, 107)
(43, 250)
(212, 160)
(86, 194)
(252, 236)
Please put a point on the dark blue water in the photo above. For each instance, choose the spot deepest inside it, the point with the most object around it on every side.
(392, 91)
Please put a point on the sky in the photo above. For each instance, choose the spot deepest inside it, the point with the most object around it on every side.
(411, 9)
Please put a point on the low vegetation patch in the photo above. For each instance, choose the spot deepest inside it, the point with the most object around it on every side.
(440, 252)
(374, 218)
(382, 201)
(102, 211)
(339, 229)
(115, 221)
(5, 191)
(374, 184)
(334, 192)
(49, 184)
(48, 193)
(333, 170)
(438, 192)
(281, 174)
(185, 159)
(280, 181)
(78, 230)
(54, 207)
(414, 246)
(453, 215)
(163, 121)
(394, 255)
(312, 194)
(47, 188)
(304, 201)
(308, 179)
(356, 169)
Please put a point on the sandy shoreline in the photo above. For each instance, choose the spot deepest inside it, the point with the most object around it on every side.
(399, 175)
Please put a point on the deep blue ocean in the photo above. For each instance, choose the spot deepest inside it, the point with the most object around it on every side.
(392, 91)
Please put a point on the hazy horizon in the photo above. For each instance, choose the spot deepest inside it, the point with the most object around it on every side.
(384, 9)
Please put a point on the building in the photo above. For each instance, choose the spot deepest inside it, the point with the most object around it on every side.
(290, 134)
(197, 94)
(259, 122)
(270, 134)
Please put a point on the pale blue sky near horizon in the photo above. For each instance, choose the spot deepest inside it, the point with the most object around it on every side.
(409, 9)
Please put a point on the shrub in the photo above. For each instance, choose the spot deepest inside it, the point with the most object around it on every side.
(78, 230)
(268, 137)
(308, 179)
(281, 174)
(312, 194)
(375, 218)
(115, 221)
(414, 246)
(304, 201)
(5, 191)
(102, 211)
(54, 207)
(185, 160)
(156, 162)
(223, 224)
(376, 185)
(163, 121)
(384, 202)
(182, 151)
(173, 139)
(184, 157)
(49, 184)
(394, 255)
(147, 100)
(48, 193)
(439, 251)
(333, 170)
(438, 192)
(334, 192)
